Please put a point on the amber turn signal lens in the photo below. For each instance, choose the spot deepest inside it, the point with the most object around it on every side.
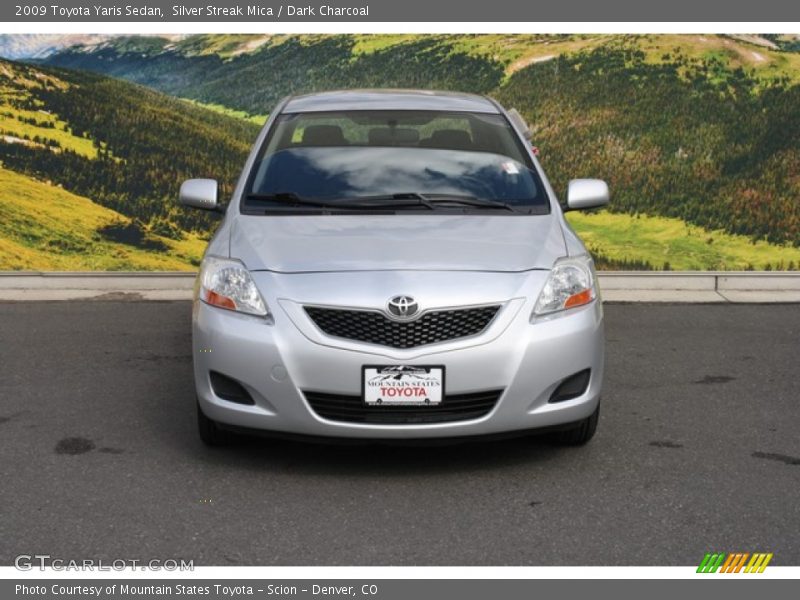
(578, 299)
(219, 300)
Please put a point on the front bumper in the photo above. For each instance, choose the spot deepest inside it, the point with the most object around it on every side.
(278, 361)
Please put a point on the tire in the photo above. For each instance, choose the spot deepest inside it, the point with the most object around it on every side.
(210, 433)
(580, 433)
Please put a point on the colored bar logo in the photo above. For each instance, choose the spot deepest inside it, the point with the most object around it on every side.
(734, 562)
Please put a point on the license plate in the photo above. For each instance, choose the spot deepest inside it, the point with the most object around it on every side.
(402, 385)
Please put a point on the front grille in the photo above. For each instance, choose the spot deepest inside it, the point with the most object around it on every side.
(374, 327)
(457, 407)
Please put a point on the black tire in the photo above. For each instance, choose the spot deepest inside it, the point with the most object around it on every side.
(210, 433)
(580, 433)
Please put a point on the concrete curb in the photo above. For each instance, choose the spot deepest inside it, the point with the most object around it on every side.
(696, 287)
(106, 280)
(701, 281)
(617, 286)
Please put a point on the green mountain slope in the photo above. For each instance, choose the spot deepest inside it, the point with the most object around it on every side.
(106, 157)
(255, 81)
(624, 241)
(669, 139)
(45, 228)
(123, 146)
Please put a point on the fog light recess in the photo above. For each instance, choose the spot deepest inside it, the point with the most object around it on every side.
(229, 389)
(572, 387)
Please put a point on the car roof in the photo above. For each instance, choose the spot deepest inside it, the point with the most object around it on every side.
(390, 100)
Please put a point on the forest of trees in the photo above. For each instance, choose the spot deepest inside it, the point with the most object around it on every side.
(255, 82)
(677, 139)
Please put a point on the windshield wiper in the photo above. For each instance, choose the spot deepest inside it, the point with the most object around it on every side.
(468, 201)
(385, 201)
(389, 201)
(518, 206)
(430, 201)
(396, 200)
(291, 198)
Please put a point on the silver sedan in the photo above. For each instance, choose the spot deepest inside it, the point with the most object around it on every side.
(394, 265)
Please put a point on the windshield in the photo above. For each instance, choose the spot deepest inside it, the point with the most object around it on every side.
(409, 160)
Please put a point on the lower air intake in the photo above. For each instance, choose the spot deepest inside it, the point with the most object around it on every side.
(351, 409)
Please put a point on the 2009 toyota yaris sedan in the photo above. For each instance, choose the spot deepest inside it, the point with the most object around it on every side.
(395, 265)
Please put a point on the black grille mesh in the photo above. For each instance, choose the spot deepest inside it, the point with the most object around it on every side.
(375, 328)
(456, 407)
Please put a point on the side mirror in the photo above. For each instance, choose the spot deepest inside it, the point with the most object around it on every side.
(587, 193)
(199, 193)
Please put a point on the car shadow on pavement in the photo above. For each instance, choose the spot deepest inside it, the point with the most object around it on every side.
(384, 459)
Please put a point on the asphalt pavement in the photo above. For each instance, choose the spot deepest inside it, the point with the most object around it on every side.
(697, 450)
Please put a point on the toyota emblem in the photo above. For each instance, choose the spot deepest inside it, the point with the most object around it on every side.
(403, 307)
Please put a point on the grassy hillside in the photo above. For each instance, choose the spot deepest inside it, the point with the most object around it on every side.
(44, 228)
(230, 112)
(27, 122)
(622, 241)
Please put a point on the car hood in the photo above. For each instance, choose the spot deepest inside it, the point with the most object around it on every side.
(310, 243)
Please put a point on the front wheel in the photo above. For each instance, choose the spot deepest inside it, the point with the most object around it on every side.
(580, 433)
(210, 433)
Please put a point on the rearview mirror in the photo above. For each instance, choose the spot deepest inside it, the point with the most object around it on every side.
(587, 193)
(199, 193)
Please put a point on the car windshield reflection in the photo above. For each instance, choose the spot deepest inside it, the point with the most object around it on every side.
(357, 172)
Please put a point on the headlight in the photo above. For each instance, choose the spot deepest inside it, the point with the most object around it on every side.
(227, 284)
(571, 283)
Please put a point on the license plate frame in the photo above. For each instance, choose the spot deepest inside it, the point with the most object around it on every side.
(430, 379)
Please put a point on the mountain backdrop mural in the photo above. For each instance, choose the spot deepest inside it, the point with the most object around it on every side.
(698, 136)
